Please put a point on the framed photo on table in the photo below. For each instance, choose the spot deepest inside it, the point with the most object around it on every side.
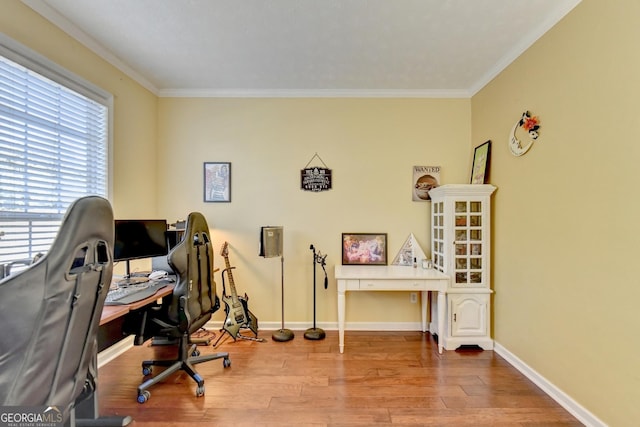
(480, 165)
(217, 182)
(364, 248)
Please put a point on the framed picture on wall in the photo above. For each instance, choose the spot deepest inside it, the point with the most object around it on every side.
(364, 248)
(425, 178)
(480, 165)
(217, 182)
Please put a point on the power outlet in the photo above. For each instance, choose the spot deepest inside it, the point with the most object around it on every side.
(413, 297)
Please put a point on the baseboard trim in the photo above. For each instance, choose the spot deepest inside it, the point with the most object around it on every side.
(110, 353)
(564, 400)
(332, 326)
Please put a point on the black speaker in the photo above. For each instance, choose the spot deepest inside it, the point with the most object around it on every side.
(271, 238)
(174, 237)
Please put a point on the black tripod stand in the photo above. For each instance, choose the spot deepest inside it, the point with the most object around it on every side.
(317, 333)
(282, 334)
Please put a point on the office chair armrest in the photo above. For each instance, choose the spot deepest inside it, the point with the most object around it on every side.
(184, 319)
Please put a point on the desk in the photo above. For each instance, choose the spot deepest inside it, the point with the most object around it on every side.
(111, 312)
(112, 317)
(392, 278)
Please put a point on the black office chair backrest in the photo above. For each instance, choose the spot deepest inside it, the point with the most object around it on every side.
(192, 260)
(51, 311)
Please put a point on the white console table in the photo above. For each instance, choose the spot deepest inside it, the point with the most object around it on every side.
(392, 278)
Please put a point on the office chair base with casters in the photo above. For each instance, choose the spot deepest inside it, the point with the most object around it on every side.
(188, 355)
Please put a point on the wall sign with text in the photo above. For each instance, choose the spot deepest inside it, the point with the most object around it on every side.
(315, 178)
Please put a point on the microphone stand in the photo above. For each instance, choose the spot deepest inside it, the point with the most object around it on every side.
(282, 334)
(316, 333)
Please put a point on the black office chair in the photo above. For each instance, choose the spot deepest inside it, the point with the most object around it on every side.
(191, 305)
(51, 312)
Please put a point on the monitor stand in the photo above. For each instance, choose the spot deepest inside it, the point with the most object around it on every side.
(127, 280)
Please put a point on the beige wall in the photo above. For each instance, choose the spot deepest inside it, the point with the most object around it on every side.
(371, 146)
(565, 242)
(134, 123)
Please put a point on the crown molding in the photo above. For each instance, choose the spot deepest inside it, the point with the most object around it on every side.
(311, 93)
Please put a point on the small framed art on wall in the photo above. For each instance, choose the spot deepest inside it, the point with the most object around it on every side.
(217, 182)
(364, 248)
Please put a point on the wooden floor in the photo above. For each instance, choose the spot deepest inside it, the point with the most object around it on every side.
(382, 379)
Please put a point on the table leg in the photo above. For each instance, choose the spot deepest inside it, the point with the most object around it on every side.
(341, 310)
(442, 301)
(425, 302)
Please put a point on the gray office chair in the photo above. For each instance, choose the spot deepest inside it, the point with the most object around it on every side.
(190, 306)
(51, 312)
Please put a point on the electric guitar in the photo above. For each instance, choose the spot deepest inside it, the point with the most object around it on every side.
(238, 314)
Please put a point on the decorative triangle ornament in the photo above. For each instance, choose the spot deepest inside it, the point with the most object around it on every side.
(409, 252)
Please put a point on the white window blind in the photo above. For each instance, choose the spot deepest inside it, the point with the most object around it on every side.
(53, 149)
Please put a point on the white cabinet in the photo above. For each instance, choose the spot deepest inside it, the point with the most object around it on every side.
(468, 320)
(461, 238)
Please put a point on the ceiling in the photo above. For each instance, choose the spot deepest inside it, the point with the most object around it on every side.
(381, 48)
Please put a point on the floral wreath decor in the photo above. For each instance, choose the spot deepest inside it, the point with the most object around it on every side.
(529, 123)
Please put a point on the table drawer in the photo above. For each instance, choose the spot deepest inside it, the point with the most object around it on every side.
(392, 285)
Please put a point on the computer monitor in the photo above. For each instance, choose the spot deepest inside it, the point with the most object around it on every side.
(139, 238)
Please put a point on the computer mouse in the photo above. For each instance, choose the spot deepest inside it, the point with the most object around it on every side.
(157, 275)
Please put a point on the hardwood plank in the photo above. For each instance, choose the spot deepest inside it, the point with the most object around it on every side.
(382, 379)
(484, 417)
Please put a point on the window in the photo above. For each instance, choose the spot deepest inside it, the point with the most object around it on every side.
(54, 134)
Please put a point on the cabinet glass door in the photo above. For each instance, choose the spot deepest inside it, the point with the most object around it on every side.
(467, 243)
(438, 235)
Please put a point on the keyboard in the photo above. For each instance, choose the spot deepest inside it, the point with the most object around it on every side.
(134, 293)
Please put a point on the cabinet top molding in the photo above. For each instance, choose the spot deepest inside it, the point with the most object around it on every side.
(462, 190)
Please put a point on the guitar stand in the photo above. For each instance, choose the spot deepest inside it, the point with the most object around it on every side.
(223, 331)
(237, 337)
(222, 335)
(316, 333)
